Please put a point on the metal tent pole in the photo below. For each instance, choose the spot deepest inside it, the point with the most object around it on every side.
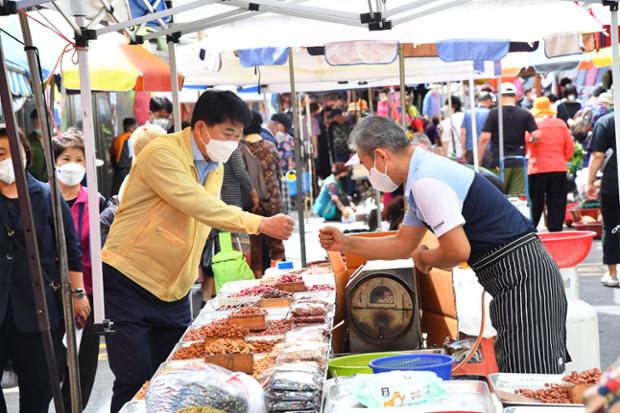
(451, 124)
(174, 82)
(474, 132)
(613, 7)
(401, 70)
(500, 128)
(299, 169)
(88, 130)
(30, 236)
(310, 146)
(67, 295)
(371, 108)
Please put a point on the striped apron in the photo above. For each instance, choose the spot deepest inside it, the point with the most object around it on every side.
(528, 309)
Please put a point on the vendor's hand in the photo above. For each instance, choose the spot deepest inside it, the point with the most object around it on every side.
(81, 309)
(332, 239)
(279, 226)
(592, 191)
(255, 200)
(418, 260)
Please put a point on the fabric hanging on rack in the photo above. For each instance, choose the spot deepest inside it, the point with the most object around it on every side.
(420, 50)
(266, 56)
(519, 47)
(476, 50)
(361, 53)
(563, 44)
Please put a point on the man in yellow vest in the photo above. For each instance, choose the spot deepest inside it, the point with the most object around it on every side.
(151, 256)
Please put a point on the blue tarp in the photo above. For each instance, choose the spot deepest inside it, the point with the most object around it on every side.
(476, 50)
(139, 9)
(265, 56)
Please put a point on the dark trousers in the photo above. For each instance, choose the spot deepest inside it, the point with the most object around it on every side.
(26, 353)
(274, 247)
(548, 188)
(88, 358)
(147, 330)
(611, 242)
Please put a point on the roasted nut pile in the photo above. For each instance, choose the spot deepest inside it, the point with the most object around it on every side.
(308, 312)
(193, 351)
(275, 328)
(218, 328)
(554, 393)
(228, 346)
(592, 376)
(237, 306)
(142, 392)
(253, 291)
(320, 287)
(248, 312)
(275, 293)
(289, 278)
(264, 346)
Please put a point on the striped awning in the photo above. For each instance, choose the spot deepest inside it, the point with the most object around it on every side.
(19, 84)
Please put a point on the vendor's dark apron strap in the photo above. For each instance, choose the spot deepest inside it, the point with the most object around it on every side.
(529, 307)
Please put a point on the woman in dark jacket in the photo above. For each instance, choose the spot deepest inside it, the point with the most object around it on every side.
(20, 339)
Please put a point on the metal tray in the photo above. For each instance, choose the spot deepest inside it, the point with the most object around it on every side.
(463, 395)
(505, 384)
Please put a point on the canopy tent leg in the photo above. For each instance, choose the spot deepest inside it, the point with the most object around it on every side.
(88, 130)
(312, 149)
(500, 128)
(30, 236)
(59, 227)
(299, 169)
(474, 132)
(401, 70)
(174, 83)
(371, 108)
(613, 8)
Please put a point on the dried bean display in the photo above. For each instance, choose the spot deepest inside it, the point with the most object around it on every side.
(264, 345)
(300, 351)
(289, 278)
(274, 328)
(258, 291)
(248, 312)
(320, 287)
(554, 393)
(592, 376)
(237, 306)
(228, 346)
(218, 328)
(276, 293)
(195, 350)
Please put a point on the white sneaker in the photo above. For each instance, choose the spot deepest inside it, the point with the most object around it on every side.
(609, 281)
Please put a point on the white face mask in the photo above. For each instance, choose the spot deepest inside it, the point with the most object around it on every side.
(70, 174)
(163, 123)
(280, 137)
(571, 98)
(220, 151)
(380, 180)
(7, 174)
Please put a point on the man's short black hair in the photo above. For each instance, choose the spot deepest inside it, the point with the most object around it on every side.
(34, 115)
(314, 107)
(128, 123)
(218, 106)
(158, 103)
(599, 91)
(569, 90)
(255, 125)
(456, 103)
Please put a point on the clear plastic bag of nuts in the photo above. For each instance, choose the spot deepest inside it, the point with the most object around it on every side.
(310, 332)
(300, 351)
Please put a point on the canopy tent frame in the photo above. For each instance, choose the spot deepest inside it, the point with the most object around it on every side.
(615, 68)
(30, 236)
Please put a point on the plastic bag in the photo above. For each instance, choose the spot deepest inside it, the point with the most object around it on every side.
(397, 388)
(294, 381)
(309, 308)
(210, 387)
(312, 332)
(300, 351)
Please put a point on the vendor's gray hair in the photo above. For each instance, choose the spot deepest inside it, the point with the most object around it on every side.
(375, 132)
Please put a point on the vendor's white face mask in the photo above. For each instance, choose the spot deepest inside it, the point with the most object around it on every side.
(163, 123)
(220, 151)
(381, 180)
(70, 173)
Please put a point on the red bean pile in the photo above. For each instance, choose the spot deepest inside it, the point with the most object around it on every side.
(592, 376)
(275, 328)
(289, 278)
(259, 290)
(275, 293)
(554, 393)
(320, 287)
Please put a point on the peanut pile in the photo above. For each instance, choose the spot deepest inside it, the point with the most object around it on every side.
(592, 376)
(554, 393)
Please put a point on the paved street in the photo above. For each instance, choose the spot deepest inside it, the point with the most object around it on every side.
(605, 300)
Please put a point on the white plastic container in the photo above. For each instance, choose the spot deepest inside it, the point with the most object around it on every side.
(281, 268)
(582, 336)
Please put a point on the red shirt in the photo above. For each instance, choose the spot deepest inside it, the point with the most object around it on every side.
(553, 150)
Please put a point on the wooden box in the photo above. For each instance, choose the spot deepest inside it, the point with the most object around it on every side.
(274, 302)
(254, 323)
(233, 362)
(296, 287)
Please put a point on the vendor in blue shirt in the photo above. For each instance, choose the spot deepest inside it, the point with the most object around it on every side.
(473, 222)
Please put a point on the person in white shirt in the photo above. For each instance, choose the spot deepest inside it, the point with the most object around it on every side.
(451, 129)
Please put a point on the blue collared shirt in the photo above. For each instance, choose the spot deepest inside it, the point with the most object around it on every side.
(203, 166)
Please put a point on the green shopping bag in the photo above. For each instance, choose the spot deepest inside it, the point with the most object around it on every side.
(228, 264)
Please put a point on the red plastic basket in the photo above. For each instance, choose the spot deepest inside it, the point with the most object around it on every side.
(568, 248)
